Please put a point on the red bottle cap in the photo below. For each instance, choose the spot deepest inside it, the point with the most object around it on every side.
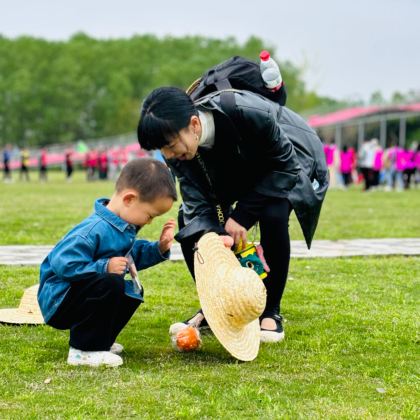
(264, 55)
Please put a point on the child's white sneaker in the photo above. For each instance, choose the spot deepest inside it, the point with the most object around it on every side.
(116, 348)
(93, 358)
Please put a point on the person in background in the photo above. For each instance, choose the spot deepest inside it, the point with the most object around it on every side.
(410, 165)
(346, 165)
(103, 164)
(332, 157)
(354, 174)
(114, 163)
(122, 157)
(24, 164)
(43, 177)
(365, 161)
(388, 171)
(377, 165)
(91, 164)
(7, 175)
(417, 163)
(68, 164)
(394, 163)
(399, 166)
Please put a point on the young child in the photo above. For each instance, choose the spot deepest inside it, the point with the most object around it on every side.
(82, 286)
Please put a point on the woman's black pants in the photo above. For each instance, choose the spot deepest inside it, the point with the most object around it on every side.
(274, 229)
(95, 310)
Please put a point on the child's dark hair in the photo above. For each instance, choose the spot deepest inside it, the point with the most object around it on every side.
(165, 112)
(149, 177)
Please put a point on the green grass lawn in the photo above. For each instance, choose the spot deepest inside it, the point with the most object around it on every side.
(351, 351)
(41, 214)
(351, 348)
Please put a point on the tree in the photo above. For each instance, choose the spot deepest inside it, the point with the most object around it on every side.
(84, 88)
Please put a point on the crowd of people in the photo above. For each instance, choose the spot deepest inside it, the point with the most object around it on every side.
(392, 168)
(99, 163)
(103, 165)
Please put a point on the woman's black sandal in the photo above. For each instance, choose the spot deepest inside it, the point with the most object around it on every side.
(272, 336)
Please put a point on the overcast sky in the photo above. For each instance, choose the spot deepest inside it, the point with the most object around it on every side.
(349, 48)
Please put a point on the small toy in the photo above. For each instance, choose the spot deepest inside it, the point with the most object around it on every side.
(252, 257)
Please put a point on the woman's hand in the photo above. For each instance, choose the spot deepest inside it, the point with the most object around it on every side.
(167, 236)
(117, 265)
(227, 241)
(236, 231)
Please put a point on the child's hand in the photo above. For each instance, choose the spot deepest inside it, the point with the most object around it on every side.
(117, 265)
(167, 236)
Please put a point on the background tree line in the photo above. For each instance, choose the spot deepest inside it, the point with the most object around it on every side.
(85, 88)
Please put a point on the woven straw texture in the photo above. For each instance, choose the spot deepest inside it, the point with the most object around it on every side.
(232, 297)
(28, 311)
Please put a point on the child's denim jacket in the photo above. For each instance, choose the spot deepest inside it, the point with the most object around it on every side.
(86, 249)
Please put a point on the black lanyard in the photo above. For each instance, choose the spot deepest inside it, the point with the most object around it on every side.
(219, 211)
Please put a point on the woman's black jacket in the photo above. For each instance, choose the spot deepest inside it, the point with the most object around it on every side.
(261, 149)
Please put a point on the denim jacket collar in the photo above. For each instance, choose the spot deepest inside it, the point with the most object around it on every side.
(116, 221)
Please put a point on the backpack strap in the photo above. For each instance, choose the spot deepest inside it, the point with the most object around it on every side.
(211, 95)
(227, 97)
(227, 103)
(193, 86)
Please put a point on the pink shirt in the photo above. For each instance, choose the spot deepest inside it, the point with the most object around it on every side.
(43, 158)
(397, 157)
(329, 153)
(346, 162)
(417, 160)
(400, 162)
(91, 159)
(103, 161)
(378, 161)
(123, 155)
(410, 156)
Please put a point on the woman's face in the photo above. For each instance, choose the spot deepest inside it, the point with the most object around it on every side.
(184, 146)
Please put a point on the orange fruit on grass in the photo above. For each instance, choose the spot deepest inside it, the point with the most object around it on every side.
(188, 339)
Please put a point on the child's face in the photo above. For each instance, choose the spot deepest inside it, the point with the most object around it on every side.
(142, 213)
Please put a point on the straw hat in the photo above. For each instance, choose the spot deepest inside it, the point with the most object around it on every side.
(28, 311)
(232, 297)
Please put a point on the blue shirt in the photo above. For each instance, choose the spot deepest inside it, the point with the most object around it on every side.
(86, 249)
(6, 156)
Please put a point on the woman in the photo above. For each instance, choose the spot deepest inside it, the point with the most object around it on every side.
(248, 156)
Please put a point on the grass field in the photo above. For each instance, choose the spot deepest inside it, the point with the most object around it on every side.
(41, 214)
(351, 348)
(351, 351)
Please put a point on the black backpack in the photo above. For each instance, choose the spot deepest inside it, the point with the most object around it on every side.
(235, 73)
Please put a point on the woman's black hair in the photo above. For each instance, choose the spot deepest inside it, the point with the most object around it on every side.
(165, 112)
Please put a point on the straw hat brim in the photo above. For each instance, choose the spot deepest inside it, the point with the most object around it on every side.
(16, 316)
(213, 265)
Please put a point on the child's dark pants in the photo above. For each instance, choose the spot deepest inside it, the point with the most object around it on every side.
(95, 310)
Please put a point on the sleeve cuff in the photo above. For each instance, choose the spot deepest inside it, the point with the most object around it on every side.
(245, 219)
(102, 265)
(163, 256)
